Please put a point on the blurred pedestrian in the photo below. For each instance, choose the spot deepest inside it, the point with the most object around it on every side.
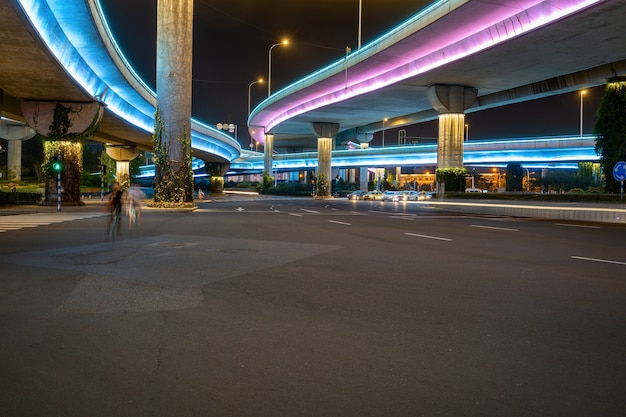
(133, 210)
(114, 207)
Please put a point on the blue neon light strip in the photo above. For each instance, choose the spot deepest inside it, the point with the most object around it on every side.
(77, 34)
(552, 152)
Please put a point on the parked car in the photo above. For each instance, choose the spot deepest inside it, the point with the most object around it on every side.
(356, 195)
(373, 195)
(390, 195)
(408, 195)
(424, 196)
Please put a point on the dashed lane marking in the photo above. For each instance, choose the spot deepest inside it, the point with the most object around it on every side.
(506, 229)
(338, 222)
(429, 237)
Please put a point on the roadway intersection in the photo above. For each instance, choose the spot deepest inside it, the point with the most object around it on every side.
(266, 307)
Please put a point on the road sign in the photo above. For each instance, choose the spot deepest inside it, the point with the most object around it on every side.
(619, 171)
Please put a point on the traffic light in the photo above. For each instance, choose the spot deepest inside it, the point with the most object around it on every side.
(56, 165)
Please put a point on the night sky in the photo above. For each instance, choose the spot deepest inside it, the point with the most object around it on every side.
(232, 40)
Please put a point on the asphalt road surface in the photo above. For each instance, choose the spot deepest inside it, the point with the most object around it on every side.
(283, 307)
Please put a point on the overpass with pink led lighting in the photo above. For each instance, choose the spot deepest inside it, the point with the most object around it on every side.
(509, 51)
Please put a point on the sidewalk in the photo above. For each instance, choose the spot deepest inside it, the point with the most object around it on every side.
(583, 212)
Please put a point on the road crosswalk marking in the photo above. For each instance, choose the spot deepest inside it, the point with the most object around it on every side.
(23, 221)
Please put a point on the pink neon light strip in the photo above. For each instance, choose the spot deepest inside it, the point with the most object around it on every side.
(502, 23)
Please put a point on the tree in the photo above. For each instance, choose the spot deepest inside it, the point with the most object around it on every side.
(453, 178)
(514, 176)
(610, 129)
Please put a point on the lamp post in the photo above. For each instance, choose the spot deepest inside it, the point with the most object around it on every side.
(360, 15)
(259, 81)
(384, 120)
(582, 93)
(269, 66)
(466, 132)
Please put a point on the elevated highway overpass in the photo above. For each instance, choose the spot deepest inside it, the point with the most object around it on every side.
(63, 51)
(537, 152)
(508, 51)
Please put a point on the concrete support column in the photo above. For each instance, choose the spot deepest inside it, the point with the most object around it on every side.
(451, 101)
(398, 175)
(268, 155)
(450, 147)
(15, 134)
(324, 161)
(64, 124)
(325, 133)
(174, 89)
(122, 156)
(363, 178)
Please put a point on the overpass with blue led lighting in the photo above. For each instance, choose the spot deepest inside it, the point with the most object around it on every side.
(557, 152)
(65, 51)
(508, 52)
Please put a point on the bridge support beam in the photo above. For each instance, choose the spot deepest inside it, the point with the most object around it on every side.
(268, 155)
(325, 133)
(65, 125)
(15, 134)
(174, 180)
(122, 156)
(451, 101)
(363, 178)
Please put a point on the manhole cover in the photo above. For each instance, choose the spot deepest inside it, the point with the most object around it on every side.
(170, 244)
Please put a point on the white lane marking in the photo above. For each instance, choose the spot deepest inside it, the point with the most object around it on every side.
(429, 237)
(310, 211)
(606, 261)
(295, 214)
(23, 221)
(338, 222)
(584, 226)
(506, 229)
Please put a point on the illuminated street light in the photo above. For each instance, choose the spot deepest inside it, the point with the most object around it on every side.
(466, 132)
(582, 93)
(259, 81)
(384, 120)
(360, 16)
(269, 67)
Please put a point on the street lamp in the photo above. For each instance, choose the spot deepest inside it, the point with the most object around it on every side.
(259, 81)
(384, 120)
(360, 16)
(466, 132)
(582, 93)
(269, 67)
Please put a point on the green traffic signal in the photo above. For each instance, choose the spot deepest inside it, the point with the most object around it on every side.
(56, 165)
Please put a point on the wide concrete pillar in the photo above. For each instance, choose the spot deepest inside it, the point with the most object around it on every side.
(268, 155)
(325, 133)
(64, 125)
(122, 156)
(451, 101)
(174, 89)
(15, 134)
(363, 178)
